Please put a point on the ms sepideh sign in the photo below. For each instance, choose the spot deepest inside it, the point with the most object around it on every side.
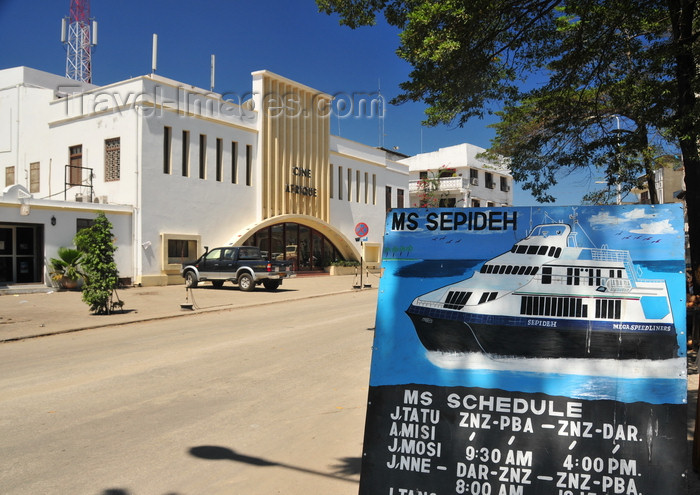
(529, 351)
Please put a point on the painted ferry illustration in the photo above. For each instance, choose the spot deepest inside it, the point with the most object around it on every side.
(549, 298)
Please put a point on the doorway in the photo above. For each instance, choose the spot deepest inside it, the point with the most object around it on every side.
(21, 248)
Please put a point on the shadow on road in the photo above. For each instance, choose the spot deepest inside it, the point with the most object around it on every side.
(348, 465)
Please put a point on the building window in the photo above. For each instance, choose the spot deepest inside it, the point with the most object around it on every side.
(330, 179)
(75, 154)
(357, 186)
(185, 153)
(234, 162)
(387, 198)
(504, 185)
(399, 198)
(248, 165)
(9, 176)
(180, 250)
(476, 203)
(473, 177)
(366, 187)
(202, 156)
(447, 202)
(349, 184)
(83, 223)
(219, 159)
(374, 189)
(167, 149)
(34, 177)
(489, 180)
(112, 160)
(340, 182)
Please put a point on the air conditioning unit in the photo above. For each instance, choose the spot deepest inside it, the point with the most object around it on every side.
(474, 181)
(507, 189)
(79, 198)
(103, 200)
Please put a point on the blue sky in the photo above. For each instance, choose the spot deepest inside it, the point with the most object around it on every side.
(288, 37)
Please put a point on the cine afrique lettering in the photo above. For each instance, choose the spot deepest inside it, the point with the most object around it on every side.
(302, 173)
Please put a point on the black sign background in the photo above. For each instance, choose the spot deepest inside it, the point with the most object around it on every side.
(536, 445)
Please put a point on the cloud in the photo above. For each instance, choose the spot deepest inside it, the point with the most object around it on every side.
(637, 214)
(656, 228)
(605, 218)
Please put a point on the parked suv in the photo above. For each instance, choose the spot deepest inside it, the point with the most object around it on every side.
(242, 265)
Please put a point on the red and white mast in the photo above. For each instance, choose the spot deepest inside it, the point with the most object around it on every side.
(79, 37)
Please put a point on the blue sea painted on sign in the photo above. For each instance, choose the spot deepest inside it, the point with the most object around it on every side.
(421, 260)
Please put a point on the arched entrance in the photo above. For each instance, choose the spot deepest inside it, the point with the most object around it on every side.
(305, 246)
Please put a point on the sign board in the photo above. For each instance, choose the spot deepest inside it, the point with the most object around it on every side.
(525, 351)
(361, 229)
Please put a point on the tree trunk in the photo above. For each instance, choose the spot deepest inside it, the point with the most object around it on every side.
(682, 14)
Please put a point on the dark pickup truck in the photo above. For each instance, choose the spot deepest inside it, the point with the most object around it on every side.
(243, 265)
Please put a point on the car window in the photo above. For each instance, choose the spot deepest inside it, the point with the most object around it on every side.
(248, 254)
(213, 255)
(228, 254)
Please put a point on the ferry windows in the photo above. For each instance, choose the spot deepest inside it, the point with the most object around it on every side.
(532, 250)
(522, 270)
(487, 296)
(608, 309)
(521, 249)
(552, 250)
(535, 269)
(546, 274)
(542, 250)
(557, 253)
(568, 307)
(456, 299)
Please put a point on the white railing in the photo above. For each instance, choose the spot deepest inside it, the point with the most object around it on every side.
(445, 184)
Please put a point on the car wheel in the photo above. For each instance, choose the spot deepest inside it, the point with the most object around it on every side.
(218, 284)
(245, 282)
(190, 279)
(271, 284)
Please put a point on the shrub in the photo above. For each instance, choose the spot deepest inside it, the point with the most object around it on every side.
(99, 267)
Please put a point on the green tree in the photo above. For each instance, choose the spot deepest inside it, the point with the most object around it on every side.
(561, 75)
(100, 269)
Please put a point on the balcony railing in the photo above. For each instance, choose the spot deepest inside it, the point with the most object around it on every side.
(445, 184)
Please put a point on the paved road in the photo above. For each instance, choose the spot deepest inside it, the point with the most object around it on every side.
(259, 400)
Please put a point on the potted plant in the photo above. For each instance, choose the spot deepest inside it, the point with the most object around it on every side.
(65, 269)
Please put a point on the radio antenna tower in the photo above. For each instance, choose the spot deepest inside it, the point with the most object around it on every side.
(79, 38)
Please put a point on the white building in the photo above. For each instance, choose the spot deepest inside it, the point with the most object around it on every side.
(175, 168)
(457, 176)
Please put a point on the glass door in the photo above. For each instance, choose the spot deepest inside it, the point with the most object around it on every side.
(6, 255)
(20, 254)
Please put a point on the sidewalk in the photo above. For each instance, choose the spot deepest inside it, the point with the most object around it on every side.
(28, 315)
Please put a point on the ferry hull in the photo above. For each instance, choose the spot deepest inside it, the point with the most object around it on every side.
(514, 337)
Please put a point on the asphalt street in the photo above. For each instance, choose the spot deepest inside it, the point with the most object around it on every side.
(262, 399)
